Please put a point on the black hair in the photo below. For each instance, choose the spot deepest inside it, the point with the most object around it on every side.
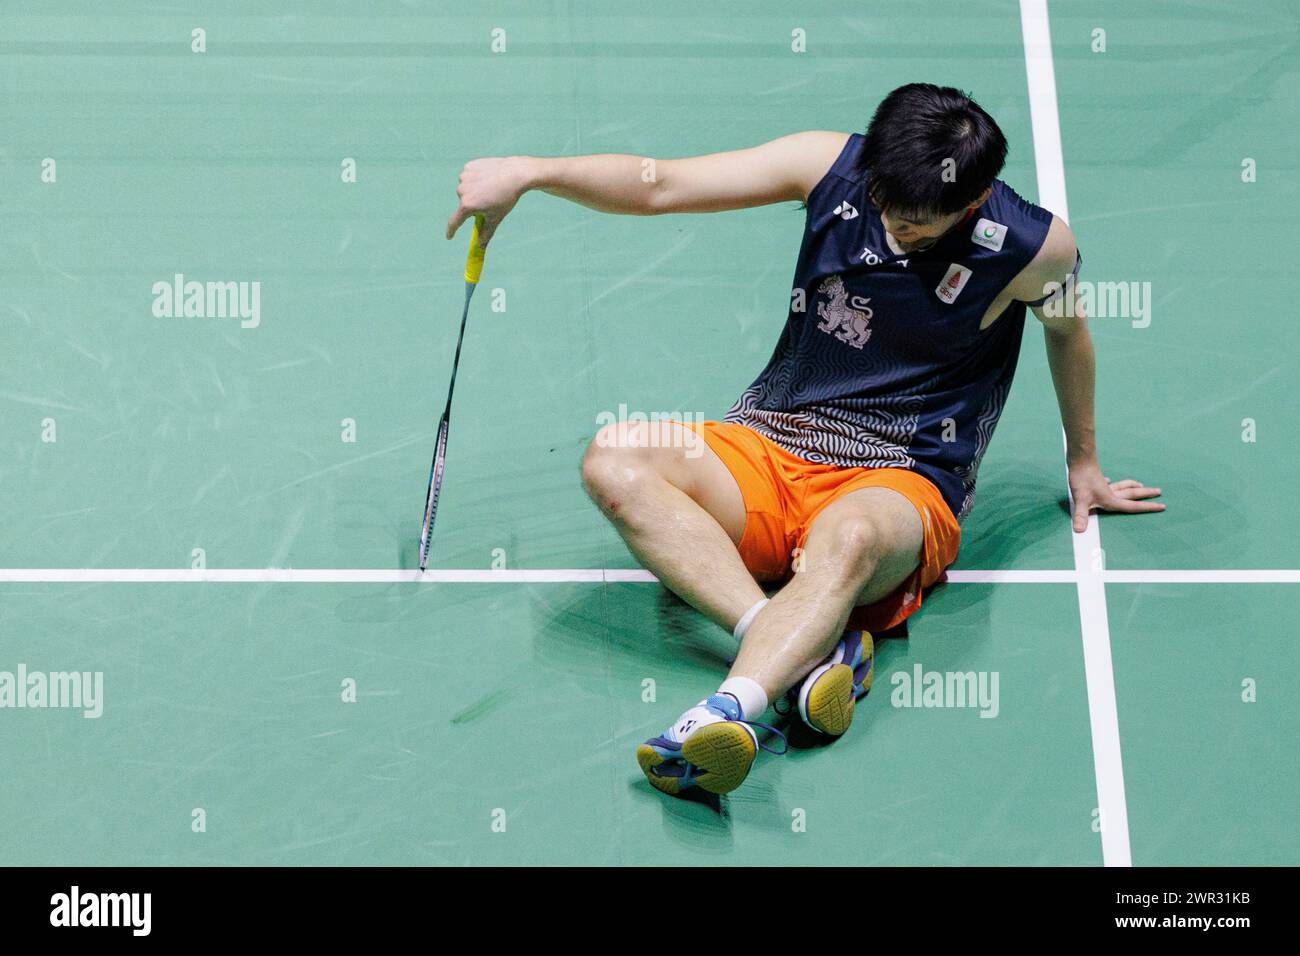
(915, 129)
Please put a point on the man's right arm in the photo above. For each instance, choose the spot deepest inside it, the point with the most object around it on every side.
(785, 169)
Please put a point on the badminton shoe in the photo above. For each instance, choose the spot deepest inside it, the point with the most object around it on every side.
(711, 747)
(828, 694)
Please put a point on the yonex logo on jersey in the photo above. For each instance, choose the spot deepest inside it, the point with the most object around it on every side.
(845, 211)
(954, 280)
(989, 234)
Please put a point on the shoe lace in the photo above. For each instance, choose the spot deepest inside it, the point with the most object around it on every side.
(785, 743)
(788, 700)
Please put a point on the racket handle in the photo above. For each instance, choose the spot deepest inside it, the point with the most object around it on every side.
(474, 263)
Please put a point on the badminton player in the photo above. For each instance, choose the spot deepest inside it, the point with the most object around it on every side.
(841, 476)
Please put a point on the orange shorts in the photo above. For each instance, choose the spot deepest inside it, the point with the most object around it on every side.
(784, 493)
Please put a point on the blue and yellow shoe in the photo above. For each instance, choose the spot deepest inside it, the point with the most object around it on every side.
(827, 695)
(711, 747)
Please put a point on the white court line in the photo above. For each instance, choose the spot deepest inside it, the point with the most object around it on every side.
(314, 576)
(1103, 715)
(572, 576)
(432, 576)
(1216, 576)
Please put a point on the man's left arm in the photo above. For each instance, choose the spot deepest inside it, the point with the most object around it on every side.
(1070, 355)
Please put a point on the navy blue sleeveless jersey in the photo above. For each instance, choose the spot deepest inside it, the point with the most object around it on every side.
(882, 362)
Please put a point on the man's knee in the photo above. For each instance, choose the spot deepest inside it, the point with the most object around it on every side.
(857, 545)
(614, 464)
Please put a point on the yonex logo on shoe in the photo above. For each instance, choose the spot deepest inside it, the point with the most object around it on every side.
(845, 211)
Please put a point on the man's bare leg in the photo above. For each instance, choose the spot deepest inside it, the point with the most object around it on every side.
(859, 550)
(682, 516)
(678, 509)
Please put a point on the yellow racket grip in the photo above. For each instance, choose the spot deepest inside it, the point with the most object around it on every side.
(474, 264)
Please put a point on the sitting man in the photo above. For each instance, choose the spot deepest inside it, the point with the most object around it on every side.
(843, 472)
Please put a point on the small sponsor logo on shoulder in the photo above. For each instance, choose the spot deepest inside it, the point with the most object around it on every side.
(954, 280)
(989, 234)
(845, 211)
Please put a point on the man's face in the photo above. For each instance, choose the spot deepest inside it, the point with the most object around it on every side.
(913, 235)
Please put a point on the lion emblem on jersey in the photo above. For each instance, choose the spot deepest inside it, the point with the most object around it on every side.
(842, 315)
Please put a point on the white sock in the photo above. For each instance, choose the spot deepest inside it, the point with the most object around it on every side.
(752, 697)
(747, 619)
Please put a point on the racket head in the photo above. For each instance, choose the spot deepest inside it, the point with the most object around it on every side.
(435, 489)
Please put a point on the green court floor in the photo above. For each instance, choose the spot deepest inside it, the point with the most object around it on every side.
(495, 719)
